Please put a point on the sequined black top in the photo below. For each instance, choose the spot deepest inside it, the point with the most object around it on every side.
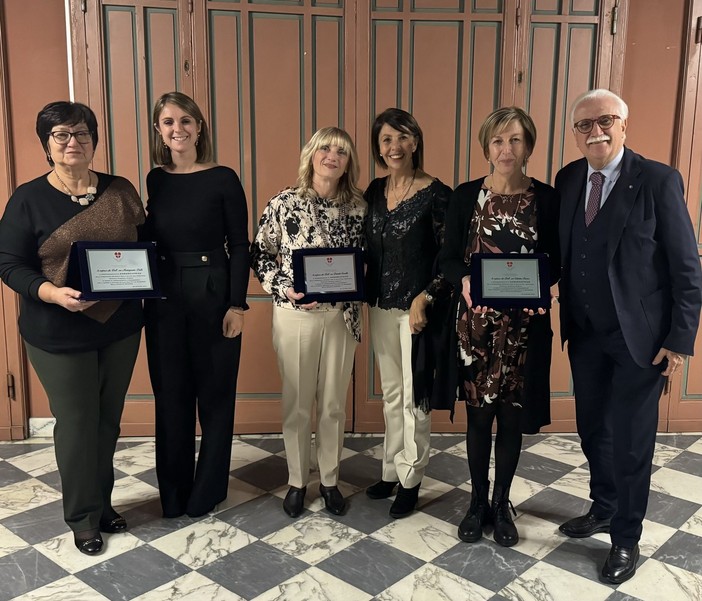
(402, 244)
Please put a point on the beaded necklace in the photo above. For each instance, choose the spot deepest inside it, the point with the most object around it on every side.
(84, 200)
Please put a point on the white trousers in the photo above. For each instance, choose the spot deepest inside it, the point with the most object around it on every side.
(315, 357)
(407, 428)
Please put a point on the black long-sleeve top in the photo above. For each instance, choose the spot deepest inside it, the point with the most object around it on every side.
(201, 211)
(402, 244)
(33, 215)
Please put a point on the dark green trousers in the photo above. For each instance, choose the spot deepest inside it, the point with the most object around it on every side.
(86, 393)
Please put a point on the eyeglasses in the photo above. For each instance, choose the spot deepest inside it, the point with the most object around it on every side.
(584, 126)
(64, 137)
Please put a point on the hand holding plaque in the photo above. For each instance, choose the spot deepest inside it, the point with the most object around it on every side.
(510, 281)
(328, 275)
(113, 270)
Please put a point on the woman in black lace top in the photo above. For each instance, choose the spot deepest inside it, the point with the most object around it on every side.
(404, 231)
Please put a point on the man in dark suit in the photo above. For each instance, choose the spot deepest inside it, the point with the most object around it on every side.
(630, 304)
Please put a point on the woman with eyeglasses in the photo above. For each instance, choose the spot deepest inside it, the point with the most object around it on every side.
(82, 351)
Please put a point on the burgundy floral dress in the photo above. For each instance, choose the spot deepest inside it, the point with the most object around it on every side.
(492, 347)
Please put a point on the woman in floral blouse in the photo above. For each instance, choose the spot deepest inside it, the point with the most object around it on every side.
(404, 231)
(503, 357)
(315, 342)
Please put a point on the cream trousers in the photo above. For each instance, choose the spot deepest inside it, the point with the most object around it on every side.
(407, 428)
(315, 357)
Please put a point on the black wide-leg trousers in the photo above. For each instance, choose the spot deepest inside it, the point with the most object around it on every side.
(193, 368)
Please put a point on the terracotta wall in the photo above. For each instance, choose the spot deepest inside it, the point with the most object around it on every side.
(37, 69)
(37, 73)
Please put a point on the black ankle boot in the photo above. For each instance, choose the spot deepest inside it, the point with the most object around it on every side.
(470, 529)
(505, 532)
(405, 501)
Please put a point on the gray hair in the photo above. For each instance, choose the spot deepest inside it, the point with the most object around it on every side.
(598, 94)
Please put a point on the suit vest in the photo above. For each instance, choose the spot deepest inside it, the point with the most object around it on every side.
(590, 291)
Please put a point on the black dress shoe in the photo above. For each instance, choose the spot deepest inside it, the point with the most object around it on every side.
(405, 502)
(294, 503)
(333, 500)
(117, 524)
(88, 542)
(620, 564)
(381, 489)
(584, 526)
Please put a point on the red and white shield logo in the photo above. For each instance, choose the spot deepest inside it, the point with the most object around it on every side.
(330, 260)
(118, 255)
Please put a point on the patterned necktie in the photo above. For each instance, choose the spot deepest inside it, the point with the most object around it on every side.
(593, 201)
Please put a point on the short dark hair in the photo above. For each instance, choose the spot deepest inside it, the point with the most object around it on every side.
(160, 153)
(401, 121)
(64, 112)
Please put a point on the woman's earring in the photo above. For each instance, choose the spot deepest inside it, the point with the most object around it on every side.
(198, 140)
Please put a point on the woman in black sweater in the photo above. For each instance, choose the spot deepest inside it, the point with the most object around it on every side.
(197, 214)
(83, 352)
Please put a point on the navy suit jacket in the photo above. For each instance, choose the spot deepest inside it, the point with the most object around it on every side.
(652, 259)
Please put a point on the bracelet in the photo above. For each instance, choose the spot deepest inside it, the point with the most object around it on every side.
(237, 310)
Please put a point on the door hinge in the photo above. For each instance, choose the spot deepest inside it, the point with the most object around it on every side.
(11, 387)
(698, 31)
(520, 77)
(519, 16)
(615, 17)
(84, 6)
(190, 7)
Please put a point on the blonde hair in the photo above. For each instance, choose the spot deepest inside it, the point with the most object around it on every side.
(348, 190)
(160, 153)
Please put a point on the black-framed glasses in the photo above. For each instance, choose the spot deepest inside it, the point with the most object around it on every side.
(64, 137)
(584, 126)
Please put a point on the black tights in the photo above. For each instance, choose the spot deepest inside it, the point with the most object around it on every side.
(508, 442)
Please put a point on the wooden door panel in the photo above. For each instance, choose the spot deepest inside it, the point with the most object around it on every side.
(265, 104)
(141, 61)
(435, 93)
(328, 82)
(122, 93)
(685, 409)
(482, 85)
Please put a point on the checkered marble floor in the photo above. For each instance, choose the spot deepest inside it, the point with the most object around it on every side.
(249, 549)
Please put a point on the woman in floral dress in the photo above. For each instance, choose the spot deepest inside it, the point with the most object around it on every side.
(503, 356)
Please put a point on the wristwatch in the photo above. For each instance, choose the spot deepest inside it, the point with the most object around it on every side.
(429, 297)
